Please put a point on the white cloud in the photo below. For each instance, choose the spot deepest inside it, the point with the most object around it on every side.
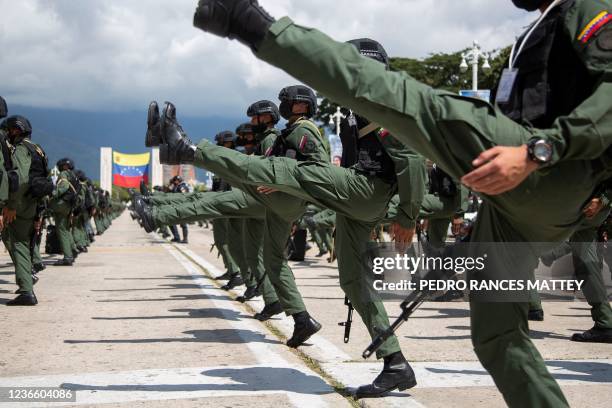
(119, 54)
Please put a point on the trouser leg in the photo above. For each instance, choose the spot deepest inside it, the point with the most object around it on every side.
(220, 228)
(281, 276)
(437, 231)
(236, 248)
(254, 252)
(63, 234)
(351, 244)
(500, 335)
(21, 234)
(588, 266)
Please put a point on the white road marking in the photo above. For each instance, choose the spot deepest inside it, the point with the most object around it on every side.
(262, 351)
(320, 348)
(472, 374)
(180, 383)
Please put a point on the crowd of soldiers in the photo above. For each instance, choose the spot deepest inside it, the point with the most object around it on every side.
(30, 196)
(538, 158)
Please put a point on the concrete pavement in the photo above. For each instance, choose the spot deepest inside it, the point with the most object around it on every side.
(139, 322)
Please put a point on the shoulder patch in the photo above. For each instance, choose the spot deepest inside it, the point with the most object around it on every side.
(594, 26)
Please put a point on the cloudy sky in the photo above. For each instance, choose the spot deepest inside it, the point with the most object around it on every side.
(109, 55)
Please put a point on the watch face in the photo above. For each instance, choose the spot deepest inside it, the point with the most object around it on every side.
(542, 151)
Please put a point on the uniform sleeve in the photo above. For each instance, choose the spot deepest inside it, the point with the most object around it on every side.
(306, 139)
(588, 26)
(4, 188)
(411, 178)
(21, 163)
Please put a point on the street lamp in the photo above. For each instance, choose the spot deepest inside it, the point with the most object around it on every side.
(473, 56)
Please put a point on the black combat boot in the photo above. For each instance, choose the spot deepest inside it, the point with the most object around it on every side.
(37, 267)
(175, 147)
(243, 20)
(235, 280)
(144, 213)
(249, 294)
(305, 326)
(268, 311)
(64, 262)
(396, 374)
(536, 315)
(225, 276)
(594, 335)
(153, 136)
(24, 299)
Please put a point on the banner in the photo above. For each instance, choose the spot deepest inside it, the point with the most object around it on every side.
(130, 169)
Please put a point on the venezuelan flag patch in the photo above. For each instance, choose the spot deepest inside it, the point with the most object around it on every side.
(594, 26)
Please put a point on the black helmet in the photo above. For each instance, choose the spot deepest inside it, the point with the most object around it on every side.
(244, 129)
(225, 137)
(65, 162)
(18, 122)
(297, 93)
(264, 107)
(370, 48)
(3, 108)
(529, 5)
(176, 178)
(80, 175)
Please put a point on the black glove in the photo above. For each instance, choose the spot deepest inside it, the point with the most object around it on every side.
(243, 20)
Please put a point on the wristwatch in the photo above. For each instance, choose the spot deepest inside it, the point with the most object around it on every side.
(539, 151)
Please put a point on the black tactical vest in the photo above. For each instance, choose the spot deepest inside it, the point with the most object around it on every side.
(551, 79)
(365, 154)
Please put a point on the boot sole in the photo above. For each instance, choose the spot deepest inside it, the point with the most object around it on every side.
(305, 339)
(400, 387)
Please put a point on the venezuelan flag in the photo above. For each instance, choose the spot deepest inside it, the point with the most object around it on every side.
(130, 169)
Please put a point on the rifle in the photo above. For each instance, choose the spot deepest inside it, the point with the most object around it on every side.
(349, 320)
(37, 232)
(408, 307)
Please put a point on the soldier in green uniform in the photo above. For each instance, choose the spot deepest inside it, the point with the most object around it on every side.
(588, 266)
(234, 203)
(446, 200)
(4, 163)
(302, 140)
(79, 213)
(30, 163)
(453, 131)
(359, 194)
(63, 200)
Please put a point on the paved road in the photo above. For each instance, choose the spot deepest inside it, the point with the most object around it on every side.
(139, 322)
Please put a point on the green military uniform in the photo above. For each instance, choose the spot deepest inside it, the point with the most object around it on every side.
(452, 131)
(588, 266)
(62, 212)
(281, 210)
(439, 209)
(220, 207)
(317, 234)
(78, 223)
(20, 232)
(360, 202)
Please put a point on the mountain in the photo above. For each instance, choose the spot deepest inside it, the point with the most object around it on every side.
(79, 134)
